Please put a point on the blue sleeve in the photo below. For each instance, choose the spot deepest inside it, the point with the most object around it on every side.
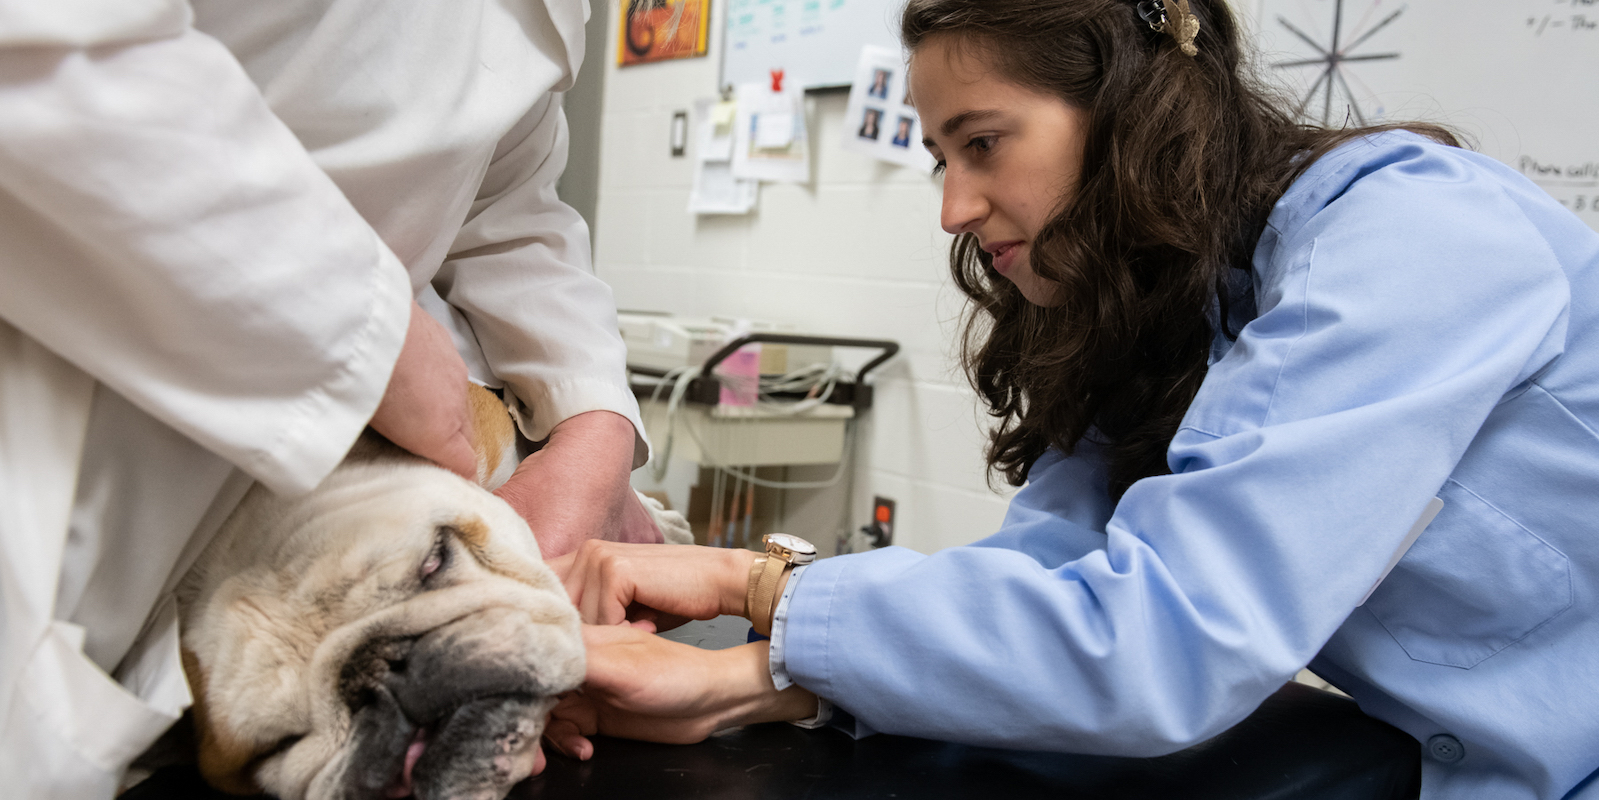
(1060, 515)
(1402, 294)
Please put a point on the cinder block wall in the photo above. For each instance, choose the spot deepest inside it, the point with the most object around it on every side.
(858, 252)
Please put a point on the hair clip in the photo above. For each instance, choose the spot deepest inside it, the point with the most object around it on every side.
(1173, 17)
(1154, 13)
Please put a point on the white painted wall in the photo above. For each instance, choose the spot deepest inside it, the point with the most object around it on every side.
(858, 252)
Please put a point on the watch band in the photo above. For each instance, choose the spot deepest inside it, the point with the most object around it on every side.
(764, 598)
(783, 552)
(756, 567)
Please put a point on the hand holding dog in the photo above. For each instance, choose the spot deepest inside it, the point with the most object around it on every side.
(576, 487)
(423, 408)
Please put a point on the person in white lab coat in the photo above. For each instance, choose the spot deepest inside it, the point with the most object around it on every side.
(220, 224)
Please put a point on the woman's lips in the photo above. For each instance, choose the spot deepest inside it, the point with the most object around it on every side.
(1004, 254)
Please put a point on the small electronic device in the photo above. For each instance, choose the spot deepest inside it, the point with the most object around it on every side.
(662, 342)
(665, 342)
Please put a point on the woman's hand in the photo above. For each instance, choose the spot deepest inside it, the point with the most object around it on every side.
(654, 584)
(641, 686)
(576, 487)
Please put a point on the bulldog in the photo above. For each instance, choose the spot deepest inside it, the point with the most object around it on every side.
(394, 633)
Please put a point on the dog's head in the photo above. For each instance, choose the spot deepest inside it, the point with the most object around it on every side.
(395, 632)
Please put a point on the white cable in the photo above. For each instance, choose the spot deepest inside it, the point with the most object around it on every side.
(827, 377)
(802, 380)
(679, 378)
(838, 474)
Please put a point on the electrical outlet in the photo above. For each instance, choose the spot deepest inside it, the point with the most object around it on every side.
(882, 528)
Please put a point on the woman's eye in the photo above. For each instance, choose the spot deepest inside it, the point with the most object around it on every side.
(938, 169)
(981, 144)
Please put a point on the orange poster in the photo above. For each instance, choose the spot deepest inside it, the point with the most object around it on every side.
(659, 30)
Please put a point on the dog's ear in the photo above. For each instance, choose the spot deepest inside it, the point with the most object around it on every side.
(224, 760)
(493, 437)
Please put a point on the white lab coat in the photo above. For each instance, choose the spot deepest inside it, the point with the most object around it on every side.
(212, 219)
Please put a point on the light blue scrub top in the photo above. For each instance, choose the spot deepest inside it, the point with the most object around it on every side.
(1426, 328)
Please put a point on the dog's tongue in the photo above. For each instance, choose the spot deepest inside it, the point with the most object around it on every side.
(402, 784)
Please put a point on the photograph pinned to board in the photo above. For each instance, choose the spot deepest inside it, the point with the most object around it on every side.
(769, 138)
(716, 190)
(662, 30)
(879, 120)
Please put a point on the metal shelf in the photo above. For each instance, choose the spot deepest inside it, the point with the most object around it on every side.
(855, 393)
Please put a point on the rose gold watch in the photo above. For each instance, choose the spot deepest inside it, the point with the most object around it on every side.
(783, 553)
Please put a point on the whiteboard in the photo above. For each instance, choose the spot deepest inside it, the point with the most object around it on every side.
(1520, 78)
(815, 42)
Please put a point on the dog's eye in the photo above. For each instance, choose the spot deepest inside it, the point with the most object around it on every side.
(438, 558)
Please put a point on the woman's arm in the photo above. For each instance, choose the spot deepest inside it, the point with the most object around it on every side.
(641, 686)
(612, 583)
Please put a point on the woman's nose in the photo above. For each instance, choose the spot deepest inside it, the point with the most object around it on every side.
(964, 206)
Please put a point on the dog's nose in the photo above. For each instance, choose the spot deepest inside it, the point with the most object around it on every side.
(493, 652)
(373, 665)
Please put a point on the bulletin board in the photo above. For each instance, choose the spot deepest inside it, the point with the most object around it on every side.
(1520, 78)
(815, 42)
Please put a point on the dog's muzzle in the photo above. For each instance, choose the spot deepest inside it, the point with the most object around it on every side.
(441, 697)
(453, 713)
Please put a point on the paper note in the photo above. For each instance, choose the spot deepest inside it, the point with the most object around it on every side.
(774, 129)
(716, 190)
(789, 162)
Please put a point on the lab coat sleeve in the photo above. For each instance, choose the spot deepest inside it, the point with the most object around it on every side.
(520, 273)
(164, 232)
(1395, 315)
(1060, 489)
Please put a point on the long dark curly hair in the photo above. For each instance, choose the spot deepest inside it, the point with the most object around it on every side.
(1184, 157)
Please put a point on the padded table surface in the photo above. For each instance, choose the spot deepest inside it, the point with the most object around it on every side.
(1302, 743)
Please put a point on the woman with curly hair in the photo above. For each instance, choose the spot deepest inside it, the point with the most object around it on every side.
(1239, 363)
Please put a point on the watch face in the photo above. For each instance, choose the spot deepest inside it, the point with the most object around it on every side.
(793, 543)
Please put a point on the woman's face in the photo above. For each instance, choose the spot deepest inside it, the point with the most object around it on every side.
(1010, 154)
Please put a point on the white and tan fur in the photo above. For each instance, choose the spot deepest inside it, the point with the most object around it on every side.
(326, 637)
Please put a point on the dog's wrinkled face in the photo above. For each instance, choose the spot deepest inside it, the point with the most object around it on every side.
(393, 633)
